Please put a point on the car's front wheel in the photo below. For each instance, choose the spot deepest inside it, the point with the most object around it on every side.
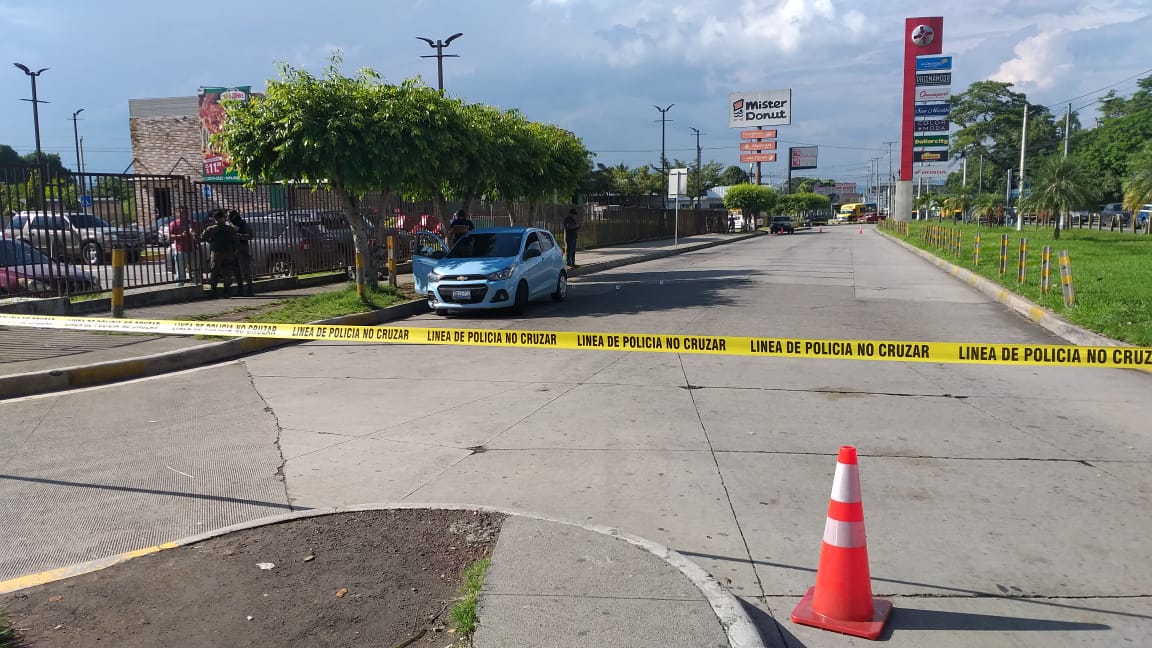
(561, 288)
(521, 303)
(92, 253)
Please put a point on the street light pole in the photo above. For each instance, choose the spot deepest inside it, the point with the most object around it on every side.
(699, 188)
(891, 179)
(35, 107)
(663, 160)
(439, 46)
(76, 137)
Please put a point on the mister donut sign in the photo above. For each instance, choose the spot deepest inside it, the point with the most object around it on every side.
(761, 108)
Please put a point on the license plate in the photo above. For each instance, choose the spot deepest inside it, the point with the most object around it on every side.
(461, 295)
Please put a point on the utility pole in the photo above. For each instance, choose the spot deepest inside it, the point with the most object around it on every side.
(964, 174)
(439, 46)
(35, 109)
(891, 179)
(699, 187)
(663, 160)
(1067, 124)
(1023, 148)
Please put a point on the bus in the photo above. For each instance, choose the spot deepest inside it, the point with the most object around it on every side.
(853, 212)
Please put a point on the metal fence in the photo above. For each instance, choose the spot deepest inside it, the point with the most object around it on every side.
(59, 229)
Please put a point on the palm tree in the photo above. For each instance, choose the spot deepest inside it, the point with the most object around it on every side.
(928, 201)
(1061, 185)
(984, 206)
(959, 202)
(1138, 183)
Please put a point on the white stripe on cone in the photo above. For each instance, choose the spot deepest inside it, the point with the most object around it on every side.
(846, 484)
(845, 535)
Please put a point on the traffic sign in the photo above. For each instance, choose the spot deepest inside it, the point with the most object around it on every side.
(85, 200)
(757, 146)
(207, 190)
(757, 157)
(758, 134)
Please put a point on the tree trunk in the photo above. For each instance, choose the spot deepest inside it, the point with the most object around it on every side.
(366, 275)
(1056, 232)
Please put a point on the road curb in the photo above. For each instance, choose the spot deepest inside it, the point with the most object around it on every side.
(1023, 306)
(738, 626)
(50, 380)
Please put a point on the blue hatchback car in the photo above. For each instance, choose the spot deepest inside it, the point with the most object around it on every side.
(491, 268)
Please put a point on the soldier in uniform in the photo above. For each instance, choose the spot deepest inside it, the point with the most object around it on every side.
(242, 265)
(222, 239)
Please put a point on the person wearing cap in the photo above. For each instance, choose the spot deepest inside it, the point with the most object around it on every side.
(182, 233)
(571, 230)
(221, 238)
(459, 226)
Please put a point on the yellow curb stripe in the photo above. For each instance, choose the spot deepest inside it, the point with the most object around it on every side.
(60, 573)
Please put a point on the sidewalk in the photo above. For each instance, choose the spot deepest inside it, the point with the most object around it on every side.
(36, 361)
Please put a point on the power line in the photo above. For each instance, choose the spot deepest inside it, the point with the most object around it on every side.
(1107, 87)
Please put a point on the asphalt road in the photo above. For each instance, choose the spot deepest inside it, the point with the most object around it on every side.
(1005, 506)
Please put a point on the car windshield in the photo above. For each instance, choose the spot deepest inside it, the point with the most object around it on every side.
(486, 246)
(15, 253)
(87, 221)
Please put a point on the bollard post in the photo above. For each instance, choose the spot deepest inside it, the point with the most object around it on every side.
(976, 250)
(392, 260)
(117, 282)
(959, 243)
(1022, 262)
(1003, 253)
(1046, 270)
(360, 275)
(1066, 279)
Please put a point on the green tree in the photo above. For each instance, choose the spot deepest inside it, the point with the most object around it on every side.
(750, 199)
(353, 134)
(1138, 181)
(990, 115)
(986, 206)
(960, 201)
(1060, 185)
(733, 175)
(1107, 150)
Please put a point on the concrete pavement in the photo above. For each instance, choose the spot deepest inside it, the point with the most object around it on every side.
(1005, 505)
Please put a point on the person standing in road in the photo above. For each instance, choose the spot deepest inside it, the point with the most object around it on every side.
(242, 263)
(182, 231)
(222, 240)
(459, 226)
(571, 231)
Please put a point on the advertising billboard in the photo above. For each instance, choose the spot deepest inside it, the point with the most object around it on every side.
(933, 63)
(757, 157)
(930, 156)
(216, 167)
(933, 93)
(760, 108)
(758, 134)
(931, 126)
(934, 79)
(930, 141)
(802, 157)
(757, 146)
(923, 52)
(935, 109)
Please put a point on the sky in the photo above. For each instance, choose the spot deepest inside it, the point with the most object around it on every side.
(596, 67)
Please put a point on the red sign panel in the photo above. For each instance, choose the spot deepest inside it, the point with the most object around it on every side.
(757, 146)
(757, 157)
(758, 134)
(922, 36)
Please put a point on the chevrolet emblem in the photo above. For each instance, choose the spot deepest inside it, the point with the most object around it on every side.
(462, 278)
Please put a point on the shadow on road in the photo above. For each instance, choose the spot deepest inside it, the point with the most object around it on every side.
(1046, 601)
(151, 491)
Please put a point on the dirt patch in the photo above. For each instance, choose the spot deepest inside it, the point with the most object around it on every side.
(374, 578)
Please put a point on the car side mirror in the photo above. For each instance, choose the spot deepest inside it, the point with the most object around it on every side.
(531, 253)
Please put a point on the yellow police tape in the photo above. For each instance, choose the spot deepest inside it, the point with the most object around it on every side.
(769, 347)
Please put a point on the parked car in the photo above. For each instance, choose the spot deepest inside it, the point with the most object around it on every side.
(489, 268)
(280, 247)
(74, 235)
(875, 217)
(782, 224)
(26, 271)
(1114, 214)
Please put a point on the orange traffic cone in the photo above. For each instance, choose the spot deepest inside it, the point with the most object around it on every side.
(861, 230)
(842, 599)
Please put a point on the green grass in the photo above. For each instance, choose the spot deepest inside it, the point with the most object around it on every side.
(464, 610)
(89, 297)
(8, 636)
(1111, 273)
(330, 304)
